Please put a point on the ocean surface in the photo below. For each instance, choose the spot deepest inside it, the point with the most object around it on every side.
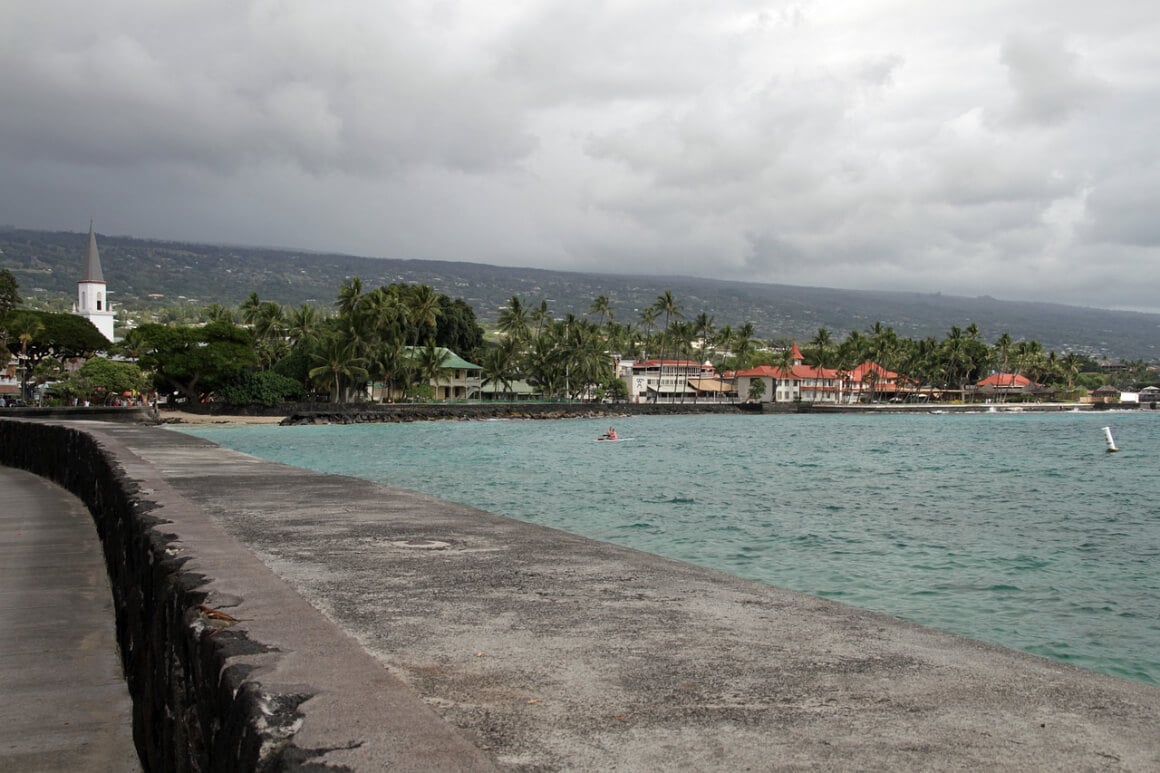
(1016, 529)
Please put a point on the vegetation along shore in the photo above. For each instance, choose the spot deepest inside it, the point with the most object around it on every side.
(401, 343)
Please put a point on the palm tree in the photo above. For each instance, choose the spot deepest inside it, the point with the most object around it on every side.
(885, 348)
(588, 363)
(819, 356)
(249, 309)
(339, 362)
(499, 365)
(215, 312)
(386, 314)
(25, 328)
(429, 364)
(269, 325)
(602, 306)
(540, 317)
(784, 362)
(1003, 350)
(667, 305)
(545, 366)
(349, 296)
(648, 318)
(1070, 364)
(304, 325)
(513, 320)
(424, 310)
(703, 326)
(956, 358)
(387, 363)
(1028, 356)
(743, 346)
(723, 345)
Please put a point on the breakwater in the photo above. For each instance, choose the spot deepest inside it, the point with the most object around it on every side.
(363, 414)
(211, 691)
(193, 710)
(401, 631)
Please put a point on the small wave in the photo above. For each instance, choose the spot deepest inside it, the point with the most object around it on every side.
(1005, 588)
(671, 501)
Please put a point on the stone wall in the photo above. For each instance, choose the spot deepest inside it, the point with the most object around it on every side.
(192, 709)
(368, 413)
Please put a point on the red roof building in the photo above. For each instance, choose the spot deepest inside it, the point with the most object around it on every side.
(1006, 381)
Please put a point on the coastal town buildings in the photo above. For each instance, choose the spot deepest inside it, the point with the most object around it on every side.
(1003, 386)
(797, 383)
(458, 379)
(673, 380)
(870, 381)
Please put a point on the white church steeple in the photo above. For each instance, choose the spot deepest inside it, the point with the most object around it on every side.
(92, 298)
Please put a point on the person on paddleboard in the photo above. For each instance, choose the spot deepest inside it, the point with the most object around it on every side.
(611, 434)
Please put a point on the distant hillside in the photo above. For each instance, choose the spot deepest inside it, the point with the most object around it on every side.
(143, 274)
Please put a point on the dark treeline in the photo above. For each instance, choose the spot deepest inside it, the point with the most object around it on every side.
(399, 336)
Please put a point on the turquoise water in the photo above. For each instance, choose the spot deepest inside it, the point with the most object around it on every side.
(1016, 529)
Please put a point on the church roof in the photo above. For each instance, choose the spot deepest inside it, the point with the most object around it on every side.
(92, 259)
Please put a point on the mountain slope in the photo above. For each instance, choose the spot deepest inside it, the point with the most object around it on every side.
(144, 274)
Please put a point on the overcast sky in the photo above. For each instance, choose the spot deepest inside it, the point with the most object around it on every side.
(1000, 148)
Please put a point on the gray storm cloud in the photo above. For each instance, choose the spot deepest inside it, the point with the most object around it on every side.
(988, 148)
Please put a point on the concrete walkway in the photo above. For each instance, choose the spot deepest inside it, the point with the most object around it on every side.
(552, 652)
(426, 635)
(65, 706)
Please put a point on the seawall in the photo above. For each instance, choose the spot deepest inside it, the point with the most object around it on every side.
(272, 618)
(363, 413)
(211, 692)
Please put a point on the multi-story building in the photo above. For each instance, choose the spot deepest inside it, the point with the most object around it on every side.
(661, 380)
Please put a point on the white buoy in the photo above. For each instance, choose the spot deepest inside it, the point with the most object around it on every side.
(1111, 441)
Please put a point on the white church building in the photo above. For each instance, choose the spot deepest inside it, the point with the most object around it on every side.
(92, 298)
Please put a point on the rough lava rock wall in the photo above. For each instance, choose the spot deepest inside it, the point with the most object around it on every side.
(193, 709)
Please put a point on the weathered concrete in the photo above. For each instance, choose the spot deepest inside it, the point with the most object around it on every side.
(64, 703)
(548, 652)
(228, 667)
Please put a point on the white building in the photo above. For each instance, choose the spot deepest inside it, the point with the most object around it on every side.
(92, 298)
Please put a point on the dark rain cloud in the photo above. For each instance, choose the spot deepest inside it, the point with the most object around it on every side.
(981, 148)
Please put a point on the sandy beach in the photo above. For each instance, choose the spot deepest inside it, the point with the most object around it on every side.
(184, 417)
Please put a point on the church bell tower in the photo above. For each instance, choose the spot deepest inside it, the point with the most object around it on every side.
(92, 298)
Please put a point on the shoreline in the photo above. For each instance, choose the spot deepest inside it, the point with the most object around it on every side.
(363, 413)
(185, 417)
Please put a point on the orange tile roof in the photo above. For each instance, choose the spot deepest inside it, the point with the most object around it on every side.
(797, 371)
(859, 373)
(1006, 380)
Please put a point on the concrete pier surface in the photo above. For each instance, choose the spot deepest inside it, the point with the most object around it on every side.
(64, 705)
(486, 643)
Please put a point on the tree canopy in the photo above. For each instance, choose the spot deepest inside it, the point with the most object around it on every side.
(101, 379)
(35, 335)
(193, 360)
